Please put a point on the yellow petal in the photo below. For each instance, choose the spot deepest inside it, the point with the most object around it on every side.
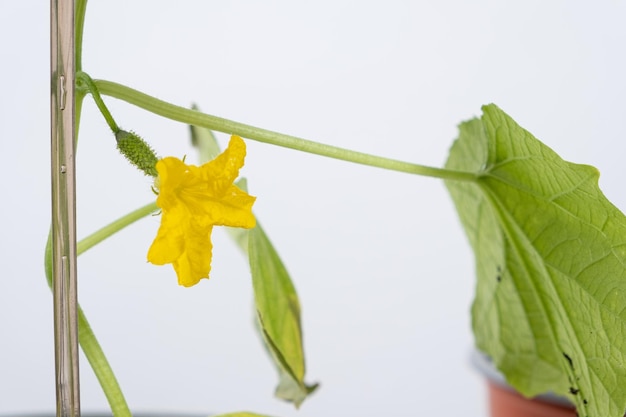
(174, 178)
(234, 209)
(193, 200)
(195, 263)
(169, 242)
(221, 172)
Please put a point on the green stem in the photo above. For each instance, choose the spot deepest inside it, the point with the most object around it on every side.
(93, 351)
(84, 78)
(98, 236)
(79, 26)
(101, 367)
(196, 118)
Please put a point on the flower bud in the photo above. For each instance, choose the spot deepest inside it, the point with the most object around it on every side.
(137, 151)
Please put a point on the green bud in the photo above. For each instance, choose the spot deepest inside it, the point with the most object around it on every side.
(137, 151)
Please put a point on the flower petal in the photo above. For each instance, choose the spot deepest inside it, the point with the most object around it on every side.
(234, 209)
(169, 242)
(221, 172)
(195, 263)
(193, 200)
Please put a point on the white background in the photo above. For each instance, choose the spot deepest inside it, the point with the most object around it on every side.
(383, 269)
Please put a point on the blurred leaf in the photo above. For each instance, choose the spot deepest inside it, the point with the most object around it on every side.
(237, 234)
(204, 140)
(550, 306)
(278, 311)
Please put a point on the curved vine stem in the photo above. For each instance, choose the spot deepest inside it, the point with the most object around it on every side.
(85, 84)
(196, 118)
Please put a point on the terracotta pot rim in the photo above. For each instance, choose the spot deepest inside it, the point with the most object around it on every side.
(484, 365)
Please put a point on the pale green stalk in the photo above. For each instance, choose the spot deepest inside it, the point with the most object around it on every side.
(196, 118)
(114, 227)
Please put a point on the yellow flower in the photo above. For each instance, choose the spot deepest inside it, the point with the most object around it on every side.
(192, 200)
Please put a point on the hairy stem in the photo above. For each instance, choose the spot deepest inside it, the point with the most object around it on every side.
(84, 81)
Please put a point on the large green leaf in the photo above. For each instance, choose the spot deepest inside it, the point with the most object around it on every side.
(278, 311)
(550, 306)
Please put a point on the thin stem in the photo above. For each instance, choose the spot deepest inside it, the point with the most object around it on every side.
(101, 367)
(93, 351)
(114, 227)
(196, 118)
(84, 78)
(79, 26)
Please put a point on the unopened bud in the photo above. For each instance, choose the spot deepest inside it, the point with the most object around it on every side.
(137, 151)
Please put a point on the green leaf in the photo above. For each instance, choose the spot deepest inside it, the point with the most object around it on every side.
(278, 311)
(550, 306)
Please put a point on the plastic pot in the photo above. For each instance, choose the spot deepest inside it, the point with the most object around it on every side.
(504, 401)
